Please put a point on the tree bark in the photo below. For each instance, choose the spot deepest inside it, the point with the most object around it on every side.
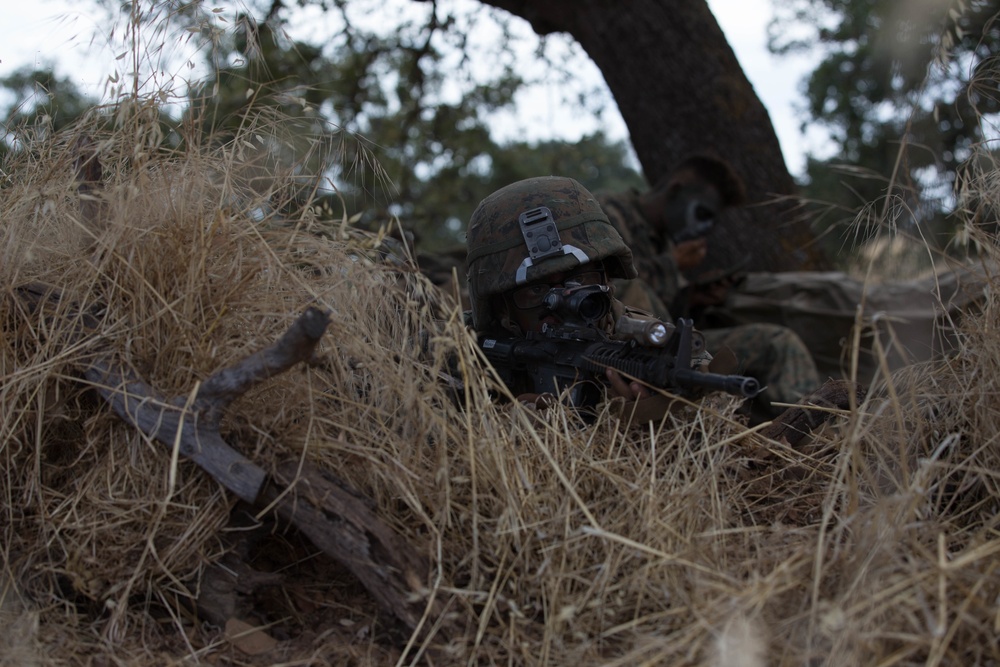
(681, 90)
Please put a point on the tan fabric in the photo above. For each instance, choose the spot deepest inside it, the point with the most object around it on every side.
(913, 319)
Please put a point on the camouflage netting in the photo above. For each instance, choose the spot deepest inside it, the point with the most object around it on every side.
(691, 541)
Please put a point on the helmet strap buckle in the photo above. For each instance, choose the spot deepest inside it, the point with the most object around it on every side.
(541, 236)
(538, 228)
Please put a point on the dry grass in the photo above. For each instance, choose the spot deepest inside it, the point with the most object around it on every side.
(687, 542)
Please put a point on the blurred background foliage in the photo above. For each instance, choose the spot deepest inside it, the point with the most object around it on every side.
(904, 89)
(406, 96)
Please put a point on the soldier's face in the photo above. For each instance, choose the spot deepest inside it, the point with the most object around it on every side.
(517, 302)
(687, 203)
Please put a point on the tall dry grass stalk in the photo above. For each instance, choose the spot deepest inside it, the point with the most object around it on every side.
(683, 542)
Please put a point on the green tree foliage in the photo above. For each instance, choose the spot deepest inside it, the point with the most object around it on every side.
(385, 123)
(455, 191)
(373, 112)
(43, 94)
(901, 89)
(43, 102)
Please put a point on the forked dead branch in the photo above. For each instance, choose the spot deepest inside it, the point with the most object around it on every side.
(334, 517)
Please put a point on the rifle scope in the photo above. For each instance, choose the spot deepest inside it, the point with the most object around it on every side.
(579, 302)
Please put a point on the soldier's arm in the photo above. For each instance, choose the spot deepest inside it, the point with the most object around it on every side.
(654, 260)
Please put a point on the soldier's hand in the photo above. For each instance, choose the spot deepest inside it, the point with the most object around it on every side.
(711, 294)
(689, 254)
(630, 391)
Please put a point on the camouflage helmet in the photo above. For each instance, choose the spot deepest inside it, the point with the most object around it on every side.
(535, 228)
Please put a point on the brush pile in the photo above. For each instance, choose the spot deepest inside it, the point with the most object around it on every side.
(683, 542)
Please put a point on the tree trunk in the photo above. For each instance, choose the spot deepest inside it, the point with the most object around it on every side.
(681, 90)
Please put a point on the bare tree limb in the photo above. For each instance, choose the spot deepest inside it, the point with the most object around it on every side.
(297, 345)
(392, 571)
(193, 425)
(196, 436)
(336, 519)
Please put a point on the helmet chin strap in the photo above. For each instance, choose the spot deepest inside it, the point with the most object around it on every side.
(510, 325)
(503, 306)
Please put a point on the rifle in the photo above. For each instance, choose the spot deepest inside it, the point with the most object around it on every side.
(574, 355)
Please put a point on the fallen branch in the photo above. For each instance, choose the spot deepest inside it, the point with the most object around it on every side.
(192, 424)
(336, 519)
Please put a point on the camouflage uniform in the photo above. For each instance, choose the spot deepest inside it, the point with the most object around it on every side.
(652, 254)
(773, 354)
(504, 254)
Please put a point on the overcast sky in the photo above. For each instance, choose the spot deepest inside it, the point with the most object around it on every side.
(777, 81)
(37, 31)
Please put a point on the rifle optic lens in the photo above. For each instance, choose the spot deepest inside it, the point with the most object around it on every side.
(532, 296)
(586, 303)
(593, 307)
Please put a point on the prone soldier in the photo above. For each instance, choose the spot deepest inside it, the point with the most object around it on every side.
(540, 254)
(666, 226)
